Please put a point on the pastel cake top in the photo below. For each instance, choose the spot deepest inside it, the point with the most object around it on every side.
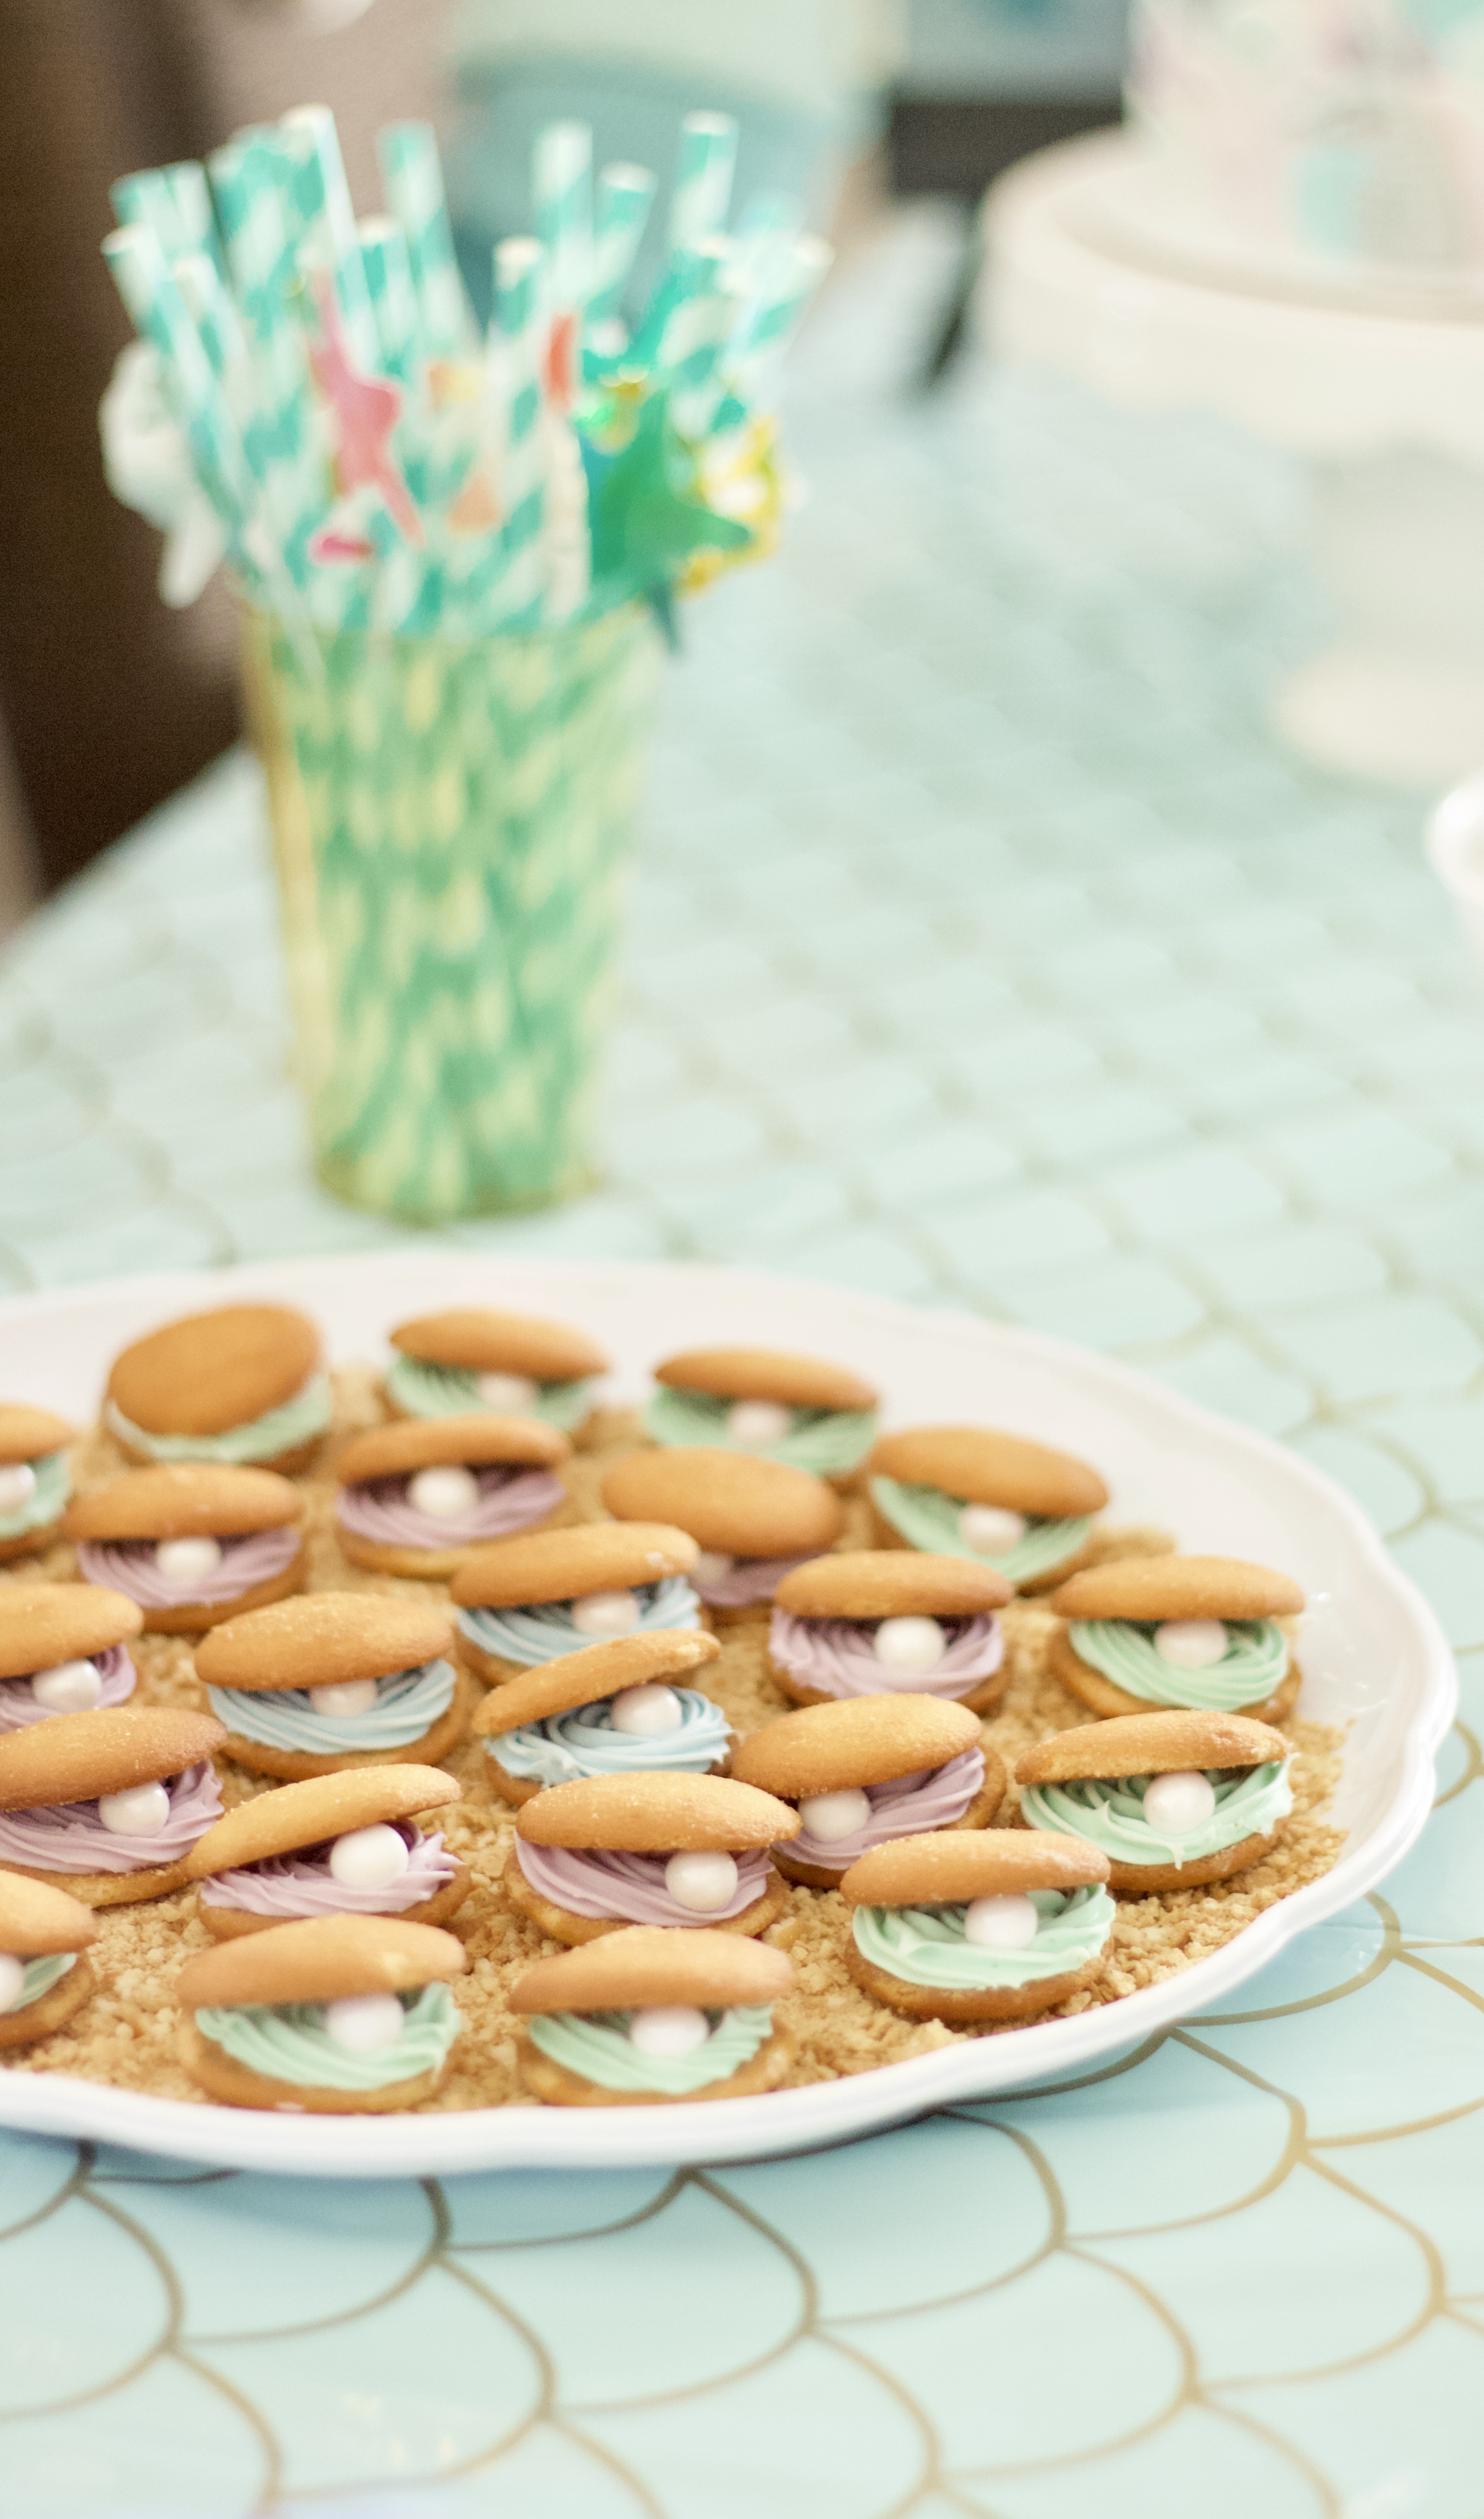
(321, 1639)
(213, 1371)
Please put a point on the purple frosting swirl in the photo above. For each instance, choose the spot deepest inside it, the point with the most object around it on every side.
(508, 1500)
(69, 1836)
(907, 1806)
(631, 1885)
(836, 1657)
(114, 1669)
(129, 1566)
(302, 1884)
(751, 1580)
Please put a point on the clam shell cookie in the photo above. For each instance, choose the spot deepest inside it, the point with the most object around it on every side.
(242, 1386)
(1203, 1632)
(646, 2017)
(450, 1364)
(343, 1844)
(753, 1520)
(1174, 1800)
(416, 1497)
(35, 1481)
(795, 1409)
(863, 1620)
(525, 1602)
(191, 1542)
(44, 1977)
(671, 1850)
(63, 1649)
(1015, 1506)
(979, 1924)
(335, 2015)
(336, 1679)
(629, 1707)
(108, 1805)
(867, 1770)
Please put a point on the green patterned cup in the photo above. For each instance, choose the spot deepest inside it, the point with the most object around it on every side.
(451, 826)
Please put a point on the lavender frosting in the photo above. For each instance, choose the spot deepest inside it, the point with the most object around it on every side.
(631, 1885)
(114, 1669)
(129, 1566)
(301, 1883)
(71, 1837)
(508, 1500)
(836, 1657)
(933, 1797)
(751, 1580)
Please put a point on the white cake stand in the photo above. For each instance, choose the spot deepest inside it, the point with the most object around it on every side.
(1381, 391)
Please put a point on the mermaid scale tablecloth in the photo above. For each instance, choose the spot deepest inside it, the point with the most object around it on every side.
(986, 953)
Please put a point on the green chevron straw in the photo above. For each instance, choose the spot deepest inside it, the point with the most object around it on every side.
(143, 278)
(393, 296)
(412, 178)
(174, 203)
(520, 325)
(327, 221)
(561, 188)
(703, 178)
(624, 196)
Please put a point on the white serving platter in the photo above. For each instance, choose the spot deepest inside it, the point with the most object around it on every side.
(1374, 1659)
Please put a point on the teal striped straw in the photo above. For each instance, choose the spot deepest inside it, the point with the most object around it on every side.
(148, 291)
(326, 222)
(703, 178)
(768, 326)
(520, 326)
(174, 203)
(393, 296)
(247, 179)
(624, 196)
(412, 178)
(561, 189)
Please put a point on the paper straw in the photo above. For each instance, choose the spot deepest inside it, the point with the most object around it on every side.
(561, 185)
(412, 178)
(326, 222)
(145, 284)
(520, 324)
(703, 178)
(393, 296)
(624, 196)
(768, 326)
(695, 339)
(174, 203)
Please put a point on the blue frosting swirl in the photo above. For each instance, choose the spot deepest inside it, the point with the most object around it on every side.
(408, 1703)
(547, 1632)
(582, 1743)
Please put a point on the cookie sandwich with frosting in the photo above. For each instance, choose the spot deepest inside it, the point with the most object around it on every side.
(981, 1925)
(863, 1772)
(531, 1601)
(335, 2015)
(1203, 1632)
(415, 1498)
(449, 1364)
(63, 1649)
(330, 1845)
(1016, 1506)
(863, 1621)
(192, 1543)
(646, 2017)
(44, 1977)
(109, 1805)
(615, 1709)
(336, 1679)
(792, 1408)
(242, 1385)
(1174, 1800)
(648, 1849)
(36, 1481)
(753, 1520)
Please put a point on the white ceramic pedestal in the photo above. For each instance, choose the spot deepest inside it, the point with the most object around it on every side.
(1384, 398)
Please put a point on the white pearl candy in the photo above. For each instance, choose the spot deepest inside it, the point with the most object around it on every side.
(188, 1561)
(755, 1425)
(513, 1394)
(701, 1882)
(369, 1858)
(1176, 1803)
(713, 1565)
(444, 1492)
(668, 2029)
(17, 1485)
(910, 1646)
(12, 1979)
(68, 1687)
(1191, 1644)
(829, 1817)
(344, 1697)
(605, 1613)
(991, 1528)
(362, 2023)
(140, 1810)
(1004, 1924)
(646, 1711)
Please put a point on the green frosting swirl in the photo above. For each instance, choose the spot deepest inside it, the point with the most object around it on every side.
(596, 2045)
(290, 2043)
(925, 1945)
(262, 1439)
(925, 1517)
(828, 1442)
(48, 1496)
(1254, 1661)
(1107, 1811)
(40, 1978)
(441, 1390)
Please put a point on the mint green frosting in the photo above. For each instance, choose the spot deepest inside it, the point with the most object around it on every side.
(925, 1945)
(1107, 1811)
(1255, 1659)
(596, 2044)
(262, 1439)
(289, 2042)
(441, 1390)
(925, 1517)
(50, 1493)
(40, 1978)
(828, 1442)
